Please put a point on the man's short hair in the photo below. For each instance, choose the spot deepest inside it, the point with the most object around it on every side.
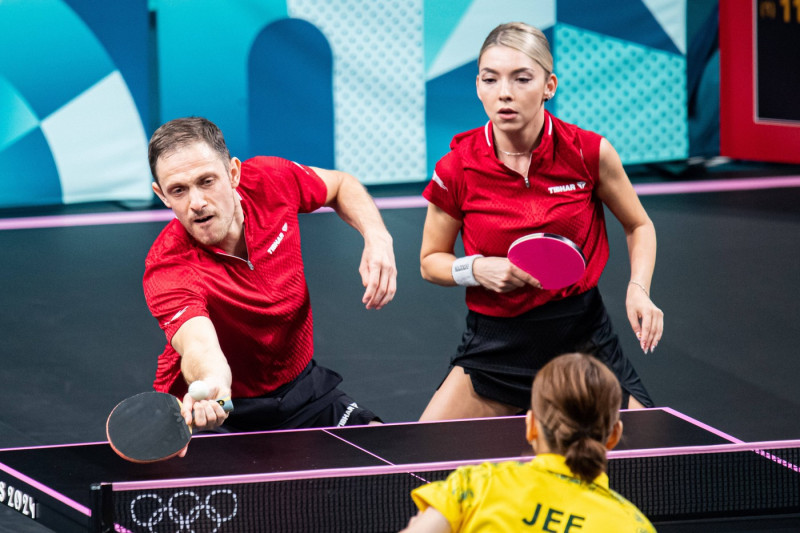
(182, 132)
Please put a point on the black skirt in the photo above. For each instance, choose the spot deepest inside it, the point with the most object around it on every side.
(502, 355)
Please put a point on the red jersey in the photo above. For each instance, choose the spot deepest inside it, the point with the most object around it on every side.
(496, 206)
(260, 307)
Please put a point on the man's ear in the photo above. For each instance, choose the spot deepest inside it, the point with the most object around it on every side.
(236, 171)
(160, 194)
(616, 434)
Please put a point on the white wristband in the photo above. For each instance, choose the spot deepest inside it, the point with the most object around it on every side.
(462, 271)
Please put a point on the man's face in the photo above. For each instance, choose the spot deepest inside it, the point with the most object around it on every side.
(199, 187)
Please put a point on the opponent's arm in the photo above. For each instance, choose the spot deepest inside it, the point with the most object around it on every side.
(437, 256)
(428, 521)
(354, 205)
(202, 359)
(616, 191)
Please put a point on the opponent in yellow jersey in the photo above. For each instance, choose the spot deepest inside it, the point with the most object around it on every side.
(573, 421)
(540, 495)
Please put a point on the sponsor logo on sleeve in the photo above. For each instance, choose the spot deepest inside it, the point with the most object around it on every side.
(438, 181)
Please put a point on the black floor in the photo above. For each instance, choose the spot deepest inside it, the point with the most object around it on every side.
(77, 337)
(726, 277)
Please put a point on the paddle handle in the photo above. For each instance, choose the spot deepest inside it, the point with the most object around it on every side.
(226, 403)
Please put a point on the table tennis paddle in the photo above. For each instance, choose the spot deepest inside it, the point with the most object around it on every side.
(552, 259)
(149, 427)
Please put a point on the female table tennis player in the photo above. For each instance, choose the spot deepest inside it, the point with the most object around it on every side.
(574, 418)
(525, 171)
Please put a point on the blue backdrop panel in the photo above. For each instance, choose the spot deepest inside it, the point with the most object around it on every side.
(58, 80)
(203, 53)
(29, 175)
(378, 85)
(376, 89)
(622, 73)
(451, 107)
(628, 20)
(49, 54)
(123, 29)
(291, 57)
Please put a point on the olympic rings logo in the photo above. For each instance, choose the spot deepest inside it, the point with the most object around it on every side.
(183, 509)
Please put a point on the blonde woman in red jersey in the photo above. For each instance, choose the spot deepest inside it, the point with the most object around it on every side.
(574, 418)
(525, 171)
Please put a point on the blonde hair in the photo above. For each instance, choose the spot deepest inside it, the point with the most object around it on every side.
(523, 37)
(576, 400)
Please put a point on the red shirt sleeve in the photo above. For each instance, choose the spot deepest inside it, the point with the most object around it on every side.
(297, 184)
(443, 189)
(311, 188)
(173, 294)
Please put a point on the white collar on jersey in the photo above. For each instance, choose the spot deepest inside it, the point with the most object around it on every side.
(488, 135)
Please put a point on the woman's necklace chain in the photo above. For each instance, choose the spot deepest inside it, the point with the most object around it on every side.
(513, 153)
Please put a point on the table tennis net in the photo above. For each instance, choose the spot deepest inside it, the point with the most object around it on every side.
(747, 480)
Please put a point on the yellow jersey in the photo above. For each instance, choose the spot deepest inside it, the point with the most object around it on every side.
(540, 495)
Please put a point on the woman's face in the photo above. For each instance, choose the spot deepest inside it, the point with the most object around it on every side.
(512, 88)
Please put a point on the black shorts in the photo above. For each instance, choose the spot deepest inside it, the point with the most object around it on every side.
(502, 355)
(310, 400)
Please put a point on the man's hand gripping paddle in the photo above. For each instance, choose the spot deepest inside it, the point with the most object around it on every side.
(149, 427)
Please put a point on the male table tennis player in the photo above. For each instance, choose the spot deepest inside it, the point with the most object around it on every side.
(226, 283)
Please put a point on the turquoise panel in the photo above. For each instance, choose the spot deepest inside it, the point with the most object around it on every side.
(302, 94)
(441, 18)
(633, 95)
(628, 20)
(204, 46)
(452, 106)
(29, 175)
(55, 56)
(18, 117)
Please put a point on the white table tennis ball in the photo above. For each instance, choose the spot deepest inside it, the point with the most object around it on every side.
(198, 390)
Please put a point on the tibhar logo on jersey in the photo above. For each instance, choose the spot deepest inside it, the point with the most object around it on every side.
(567, 188)
(278, 240)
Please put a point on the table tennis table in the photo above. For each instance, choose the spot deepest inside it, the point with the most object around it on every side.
(350, 478)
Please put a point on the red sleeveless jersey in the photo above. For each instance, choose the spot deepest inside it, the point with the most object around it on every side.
(496, 206)
(260, 308)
